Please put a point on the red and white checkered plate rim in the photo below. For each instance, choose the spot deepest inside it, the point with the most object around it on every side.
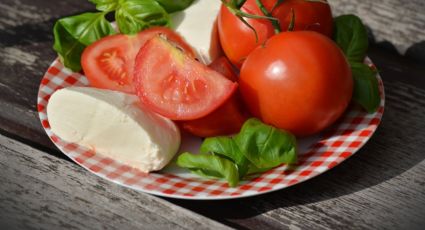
(317, 154)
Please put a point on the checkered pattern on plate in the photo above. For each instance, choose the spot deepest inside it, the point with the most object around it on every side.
(318, 155)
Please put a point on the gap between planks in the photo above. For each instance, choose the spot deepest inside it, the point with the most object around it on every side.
(41, 191)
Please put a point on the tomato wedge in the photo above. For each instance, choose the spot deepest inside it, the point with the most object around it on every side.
(109, 62)
(175, 85)
(226, 119)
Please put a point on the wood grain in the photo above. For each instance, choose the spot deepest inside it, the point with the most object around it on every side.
(398, 23)
(381, 187)
(25, 53)
(26, 41)
(39, 191)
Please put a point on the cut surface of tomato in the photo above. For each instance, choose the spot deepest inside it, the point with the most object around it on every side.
(109, 62)
(175, 85)
(226, 119)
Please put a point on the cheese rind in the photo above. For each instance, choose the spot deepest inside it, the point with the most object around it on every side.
(114, 125)
(196, 25)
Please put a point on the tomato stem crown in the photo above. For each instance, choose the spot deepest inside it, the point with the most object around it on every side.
(291, 25)
(275, 22)
(234, 8)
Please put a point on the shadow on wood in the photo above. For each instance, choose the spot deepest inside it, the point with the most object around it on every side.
(394, 149)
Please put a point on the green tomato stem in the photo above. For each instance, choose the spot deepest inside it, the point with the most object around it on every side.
(239, 3)
(292, 23)
(275, 22)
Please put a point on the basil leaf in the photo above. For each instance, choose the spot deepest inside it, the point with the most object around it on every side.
(172, 6)
(105, 5)
(68, 48)
(351, 36)
(227, 147)
(366, 87)
(133, 16)
(73, 34)
(252, 169)
(266, 146)
(256, 149)
(208, 165)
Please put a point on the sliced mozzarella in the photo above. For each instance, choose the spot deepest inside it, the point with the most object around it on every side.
(196, 25)
(114, 125)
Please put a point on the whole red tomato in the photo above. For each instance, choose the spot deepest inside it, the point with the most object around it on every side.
(238, 40)
(297, 81)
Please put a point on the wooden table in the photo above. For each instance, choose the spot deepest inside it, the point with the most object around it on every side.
(380, 187)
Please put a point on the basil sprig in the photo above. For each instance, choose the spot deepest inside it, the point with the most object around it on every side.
(351, 36)
(366, 90)
(172, 6)
(133, 16)
(210, 166)
(73, 34)
(266, 146)
(256, 148)
(105, 5)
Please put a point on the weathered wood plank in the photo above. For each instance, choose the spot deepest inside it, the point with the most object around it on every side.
(25, 53)
(39, 191)
(380, 187)
(399, 22)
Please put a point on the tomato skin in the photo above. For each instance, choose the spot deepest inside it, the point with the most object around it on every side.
(175, 85)
(311, 16)
(223, 66)
(298, 81)
(109, 62)
(238, 40)
(226, 119)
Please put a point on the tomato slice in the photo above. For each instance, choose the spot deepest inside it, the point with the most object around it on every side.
(226, 119)
(175, 85)
(109, 62)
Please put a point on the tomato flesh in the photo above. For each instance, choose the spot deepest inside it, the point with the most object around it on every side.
(175, 85)
(298, 81)
(109, 62)
(238, 40)
(226, 119)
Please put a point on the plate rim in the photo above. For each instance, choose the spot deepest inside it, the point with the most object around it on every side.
(378, 114)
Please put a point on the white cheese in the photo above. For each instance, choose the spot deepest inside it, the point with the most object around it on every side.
(114, 125)
(196, 25)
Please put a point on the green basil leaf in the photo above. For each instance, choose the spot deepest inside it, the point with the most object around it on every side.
(73, 34)
(366, 87)
(208, 165)
(266, 146)
(172, 6)
(105, 5)
(133, 16)
(252, 169)
(227, 147)
(68, 48)
(351, 36)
